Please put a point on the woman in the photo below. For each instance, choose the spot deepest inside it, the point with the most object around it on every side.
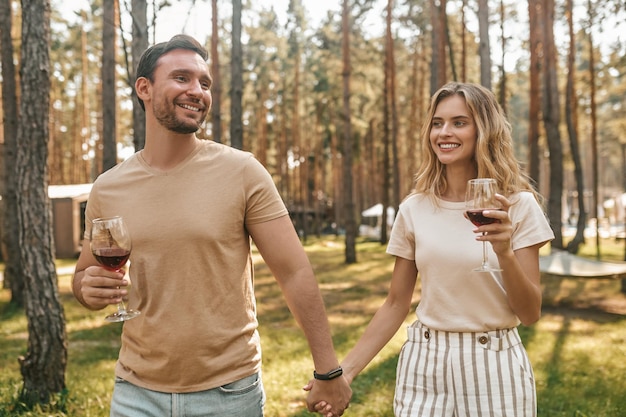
(463, 356)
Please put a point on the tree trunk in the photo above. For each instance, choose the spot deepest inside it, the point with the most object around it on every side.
(139, 44)
(298, 145)
(571, 117)
(594, 130)
(551, 118)
(463, 42)
(414, 114)
(109, 140)
(13, 276)
(502, 93)
(43, 367)
(216, 88)
(261, 125)
(484, 49)
(535, 35)
(386, 171)
(396, 165)
(348, 203)
(236, 89)
(438, 71)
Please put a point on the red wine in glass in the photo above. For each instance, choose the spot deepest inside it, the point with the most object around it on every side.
(110, 245)
(478, 218)
(480, 195)
(112, 258)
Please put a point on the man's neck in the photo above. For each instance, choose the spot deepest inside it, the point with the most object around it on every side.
(165, 152)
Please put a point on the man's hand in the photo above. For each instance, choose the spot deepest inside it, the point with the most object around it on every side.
(330, 398)
(100, 287)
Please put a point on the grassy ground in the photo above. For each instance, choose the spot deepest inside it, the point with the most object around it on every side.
(578, 348)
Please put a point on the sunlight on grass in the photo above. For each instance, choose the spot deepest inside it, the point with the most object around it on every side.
(578, 348)
(580, 366)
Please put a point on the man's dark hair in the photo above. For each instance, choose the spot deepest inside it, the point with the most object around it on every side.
(148, 61)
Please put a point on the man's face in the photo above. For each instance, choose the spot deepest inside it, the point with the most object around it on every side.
(181, 96)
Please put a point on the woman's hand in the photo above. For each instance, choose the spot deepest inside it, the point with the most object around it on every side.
(498, 233)
(321, 407)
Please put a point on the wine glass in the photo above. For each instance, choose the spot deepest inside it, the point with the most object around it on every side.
(480, 195)
(110, 245)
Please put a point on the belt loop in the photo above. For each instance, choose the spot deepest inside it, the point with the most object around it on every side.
(417, 332)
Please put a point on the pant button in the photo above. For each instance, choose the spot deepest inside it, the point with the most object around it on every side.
(483, 340)
(426, 335)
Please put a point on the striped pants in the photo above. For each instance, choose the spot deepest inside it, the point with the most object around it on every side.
(447, 374)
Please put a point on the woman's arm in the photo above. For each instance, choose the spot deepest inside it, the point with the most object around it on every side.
(386, 321)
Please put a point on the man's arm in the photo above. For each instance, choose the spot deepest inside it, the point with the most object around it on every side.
(282, 251)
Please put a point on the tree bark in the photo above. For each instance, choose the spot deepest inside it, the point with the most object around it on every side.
(109, 139)
(484, 49)
(216, 88)
(236, 89)
(386, 171)
(438, 71)
(139, 44)
(43, 367)
(594, 129)
(348, 203)
(502, 93)
(536, 23)
(571, 118)
(396, 165)
(13, 276)
(551, 119)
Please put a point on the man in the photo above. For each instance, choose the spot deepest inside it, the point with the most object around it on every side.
(192, 207)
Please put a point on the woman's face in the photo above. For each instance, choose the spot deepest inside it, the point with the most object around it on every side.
(453, 132)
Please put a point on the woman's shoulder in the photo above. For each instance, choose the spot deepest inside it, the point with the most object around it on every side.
(415, 199)
(524, 197)
(524, 203)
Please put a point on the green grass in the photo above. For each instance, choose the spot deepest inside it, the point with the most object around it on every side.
(578, 348)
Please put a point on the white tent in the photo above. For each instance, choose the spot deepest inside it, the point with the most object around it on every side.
(376, 211)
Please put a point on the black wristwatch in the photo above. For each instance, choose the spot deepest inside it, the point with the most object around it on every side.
(329, 375)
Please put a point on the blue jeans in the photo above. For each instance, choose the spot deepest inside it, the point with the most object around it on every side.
(242, 398)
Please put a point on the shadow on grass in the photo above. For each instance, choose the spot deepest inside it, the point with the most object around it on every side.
(580, 376)
(593, 294)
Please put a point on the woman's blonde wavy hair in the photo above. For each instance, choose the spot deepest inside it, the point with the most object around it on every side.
(494, 156)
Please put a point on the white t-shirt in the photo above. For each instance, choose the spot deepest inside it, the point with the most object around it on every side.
(441, 242)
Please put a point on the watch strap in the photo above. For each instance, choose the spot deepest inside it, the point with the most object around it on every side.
(337, 372)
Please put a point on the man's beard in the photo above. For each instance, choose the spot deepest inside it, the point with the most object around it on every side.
(168, 119)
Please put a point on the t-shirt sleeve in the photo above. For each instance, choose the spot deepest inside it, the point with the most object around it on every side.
(263, 202)
(530, 225)
(401, 240)
(91, 210)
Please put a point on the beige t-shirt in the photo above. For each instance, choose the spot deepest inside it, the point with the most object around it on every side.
(191, 268)
(441, 242)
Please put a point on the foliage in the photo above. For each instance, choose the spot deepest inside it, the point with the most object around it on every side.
(272, 124)
(577, 348)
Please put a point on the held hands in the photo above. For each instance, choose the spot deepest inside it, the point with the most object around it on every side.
(101, 287)
(329, 398)
(498, 233)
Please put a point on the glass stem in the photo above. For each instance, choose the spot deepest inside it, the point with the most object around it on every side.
(484, 253)
(121, 307)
